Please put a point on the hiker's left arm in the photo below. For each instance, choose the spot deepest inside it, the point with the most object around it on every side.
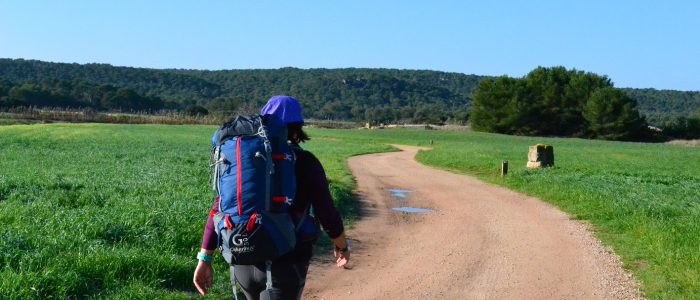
(322, 201)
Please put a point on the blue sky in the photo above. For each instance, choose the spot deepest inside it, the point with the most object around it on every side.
(636, 43)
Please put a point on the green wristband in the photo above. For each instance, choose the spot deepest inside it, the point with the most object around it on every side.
(204, 257)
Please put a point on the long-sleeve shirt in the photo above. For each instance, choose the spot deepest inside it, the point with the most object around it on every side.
(312, 188)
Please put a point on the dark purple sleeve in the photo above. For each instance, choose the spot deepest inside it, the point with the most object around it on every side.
(320, 196)
(209, 236)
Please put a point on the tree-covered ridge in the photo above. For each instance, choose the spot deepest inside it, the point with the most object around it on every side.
(167, 85)
(660, 106)
(352, 94)
(76, 94)
(378, 95)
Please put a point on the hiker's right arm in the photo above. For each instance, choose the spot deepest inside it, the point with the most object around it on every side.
(204, 273)
(209, 235)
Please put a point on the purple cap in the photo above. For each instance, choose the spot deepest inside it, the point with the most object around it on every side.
(286, 108)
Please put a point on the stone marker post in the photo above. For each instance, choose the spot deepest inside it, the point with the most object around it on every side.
(540, 156)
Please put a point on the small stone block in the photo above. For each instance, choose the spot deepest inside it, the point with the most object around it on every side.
(540, 156)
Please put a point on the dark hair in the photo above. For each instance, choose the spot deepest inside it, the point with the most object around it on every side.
(296, 134)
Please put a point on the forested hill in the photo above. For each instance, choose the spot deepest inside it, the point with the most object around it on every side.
(381, 95)
(661, 106)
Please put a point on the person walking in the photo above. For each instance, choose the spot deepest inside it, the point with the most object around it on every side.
(288, 271)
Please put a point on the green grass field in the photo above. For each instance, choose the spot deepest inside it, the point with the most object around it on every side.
(116, 211)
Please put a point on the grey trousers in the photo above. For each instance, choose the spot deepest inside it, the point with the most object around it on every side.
(288, 280)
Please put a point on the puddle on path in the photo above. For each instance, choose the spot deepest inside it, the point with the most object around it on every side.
(399, 193)
(409, 209)
(400, 197)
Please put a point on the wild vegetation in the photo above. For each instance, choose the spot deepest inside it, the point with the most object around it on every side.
(359, 95)
(116, 211)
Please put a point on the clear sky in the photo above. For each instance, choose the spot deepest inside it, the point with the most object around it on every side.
(636, 43)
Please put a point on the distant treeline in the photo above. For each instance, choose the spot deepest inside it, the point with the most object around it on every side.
(76, 94)
(375, 95)
(662, 106)
(361, 95)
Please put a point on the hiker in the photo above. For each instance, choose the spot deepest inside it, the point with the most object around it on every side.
(289, 270)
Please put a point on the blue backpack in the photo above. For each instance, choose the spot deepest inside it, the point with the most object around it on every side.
(254, 179)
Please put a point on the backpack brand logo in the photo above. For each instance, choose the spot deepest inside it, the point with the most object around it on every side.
(239, 240)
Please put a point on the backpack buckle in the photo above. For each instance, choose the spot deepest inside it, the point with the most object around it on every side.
(282, 199)
(282, 156)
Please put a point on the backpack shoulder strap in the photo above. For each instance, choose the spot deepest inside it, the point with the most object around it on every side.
(296, 150)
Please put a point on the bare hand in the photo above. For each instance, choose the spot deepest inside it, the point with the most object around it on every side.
(342, 257)
(203, 277)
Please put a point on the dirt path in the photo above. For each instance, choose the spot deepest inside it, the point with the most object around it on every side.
(480, 242)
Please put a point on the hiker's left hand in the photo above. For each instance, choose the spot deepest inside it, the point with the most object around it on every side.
(342, 257)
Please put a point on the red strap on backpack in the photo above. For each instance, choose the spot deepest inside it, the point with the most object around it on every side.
(279, 199)
(227, 219)
(281, 156)
(251, 222)
(239, 180)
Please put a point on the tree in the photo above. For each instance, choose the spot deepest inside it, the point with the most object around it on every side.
(460, 116)
(122, 99)
(5, 87)
(334, 110)
(196, 110)
(576, 94)
(551, 101)
(379, 115)
(610, 114)
(498, 105)
(433, 114)
(557, 98)
(224, 105)
(682, 128)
